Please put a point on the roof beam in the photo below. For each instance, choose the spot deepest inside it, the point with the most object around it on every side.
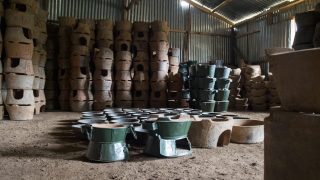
(280, 7)
(209, 11)
(225, 2)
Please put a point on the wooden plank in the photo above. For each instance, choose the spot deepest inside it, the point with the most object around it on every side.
(247, 33)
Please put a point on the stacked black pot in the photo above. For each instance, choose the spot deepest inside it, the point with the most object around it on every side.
(222, 88)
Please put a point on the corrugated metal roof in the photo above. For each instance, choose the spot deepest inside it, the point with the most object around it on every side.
(237, 10)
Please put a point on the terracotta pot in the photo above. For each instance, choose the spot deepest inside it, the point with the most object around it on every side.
(123, 36)
(103, 74)
(102, 85)
(20, 113)
(104, 24)
(103, 34)
(16, 65)
(17, 44)
(102, 96)
(16, 81)
(124, 85)
(123, 26)
(16, 18)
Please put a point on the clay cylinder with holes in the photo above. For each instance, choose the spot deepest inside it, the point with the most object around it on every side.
(159, 66)
(124, 85)
(123, 65)
(80, 84)
(122, 46)
(80, 106)
(140, 104)
(105, 35)
(159, 46)
(141, 85)
(80, 39)
(104, 74)
(123, 75)
(80, 72)
(80, 95)
(16, 18)
(105, 43)
(19, 97)
(141, 66)
(141, 95)
(18, 43)
(102, 96)
(102, 85)
(99, 106)
(17, 81)
(141, 56)
(20, 113)
(104, 53)
(20, 66)
(158, 85)
(158, 95)
(104, 24)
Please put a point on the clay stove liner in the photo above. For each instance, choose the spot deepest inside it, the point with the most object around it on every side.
(247, 131)
(16, 81)
(104, 43)
(298, 86)
(123, 36)
(158, 36)
(210, 133)
(104, 63)
(174, 61)
(123, 56)
(103, 74)
(123, 75)
(174, 52)
(80, 72)
(105, 34)
(141, 26)
(104, 24)
(159, 46)
(159, 56)
(103, 53)
(140, 95)
(16, 18)
(159, 76)
(141, 56)
(159, 66)
(20, 113)
(124, 85)
(79, 50)
(141, 66)
(81, 95)
(20, 66)
(18, 43)
(123, 26)
(122, 65)
(160, 26)
(123, 95)
(122, 46)
(102, 96)
(79, 106)
(79, 60)
(80, 84)
(100, 84)
(140, 39)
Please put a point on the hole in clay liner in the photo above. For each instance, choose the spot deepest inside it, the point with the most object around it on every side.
(83, 41)
(62, 72)
(138, 93)
(140, 34)
(170, 53)
(83, 70)
(21, 7)
(104, 72)
(124, 47)
(117, 33)
(26, 33)
(111, 46)
(18, 93)
(35, 42)
(157, 94)
(36, 93)
(134, 51)
(42, 108)
(224, 138)
(15, 62)
(74, 93)
(140, 67)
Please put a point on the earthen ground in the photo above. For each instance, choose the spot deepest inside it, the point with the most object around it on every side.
(46, 148)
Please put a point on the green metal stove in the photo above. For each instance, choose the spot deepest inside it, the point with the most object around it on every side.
(167, 137)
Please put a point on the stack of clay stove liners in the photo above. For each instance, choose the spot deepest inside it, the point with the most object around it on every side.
(222, 88)
(66, 25)
(18, 67)
(123, 61)
(202, 87)
(258, 94)
(273, 96)
(102, 79)
(103, 60)
(81, 98)
(175, 83)
(92, 26)
(104, 36)
(2, 88)
(235, 88)
(185, 91)
(140, 48)
(159, 64)
(52, 85)
(39, 59)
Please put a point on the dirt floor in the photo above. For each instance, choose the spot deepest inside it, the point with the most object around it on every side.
(46, 148)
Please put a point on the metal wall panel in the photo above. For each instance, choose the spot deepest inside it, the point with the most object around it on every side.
(201, 46)
(273, 33)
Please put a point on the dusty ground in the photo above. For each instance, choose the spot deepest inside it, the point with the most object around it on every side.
(46, 148)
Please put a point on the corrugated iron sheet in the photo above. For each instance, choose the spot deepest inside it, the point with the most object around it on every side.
(201, 46)
(274, 32)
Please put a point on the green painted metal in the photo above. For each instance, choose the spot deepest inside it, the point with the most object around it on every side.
(222, 72)
(194, 94)
(222, 106)
(223, 83)
(206, 95)
(206, 83)
(107, 142)
(207, 106)
(193, 83)
(222, 95)
(205, 70)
